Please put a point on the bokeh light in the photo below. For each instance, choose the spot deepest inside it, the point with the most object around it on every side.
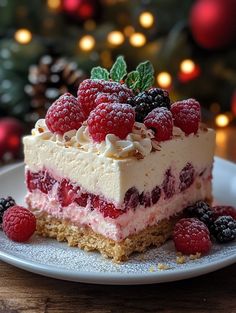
(23, 36)
(146, 19)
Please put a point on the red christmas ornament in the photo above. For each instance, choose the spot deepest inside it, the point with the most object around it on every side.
(81, 9)
(11, 131)
(213, 23)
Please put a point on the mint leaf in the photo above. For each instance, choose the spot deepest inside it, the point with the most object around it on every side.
(132, 80)
(146, 73)
(119, 69)
(99, 73)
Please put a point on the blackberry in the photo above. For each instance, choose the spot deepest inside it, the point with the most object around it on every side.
(202, 211)
(224, 229)
(146, 101)
(5, 204)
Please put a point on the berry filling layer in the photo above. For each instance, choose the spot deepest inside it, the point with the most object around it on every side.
(64, 199)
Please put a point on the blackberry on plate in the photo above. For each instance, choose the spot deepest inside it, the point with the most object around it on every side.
(146, 101)
(202, 211)
(5, 203)
(224, 229)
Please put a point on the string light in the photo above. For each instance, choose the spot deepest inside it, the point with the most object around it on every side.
(115, 38)
(23, 36)
(187, 66)
(54, 4)
(129, 30)
(222, 120)
(146, 19)
(87, 43)
(164, 79)
(137, 39)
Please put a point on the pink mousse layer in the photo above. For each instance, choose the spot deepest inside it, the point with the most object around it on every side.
(131, 222)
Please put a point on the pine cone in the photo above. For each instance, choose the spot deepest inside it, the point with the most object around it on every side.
(48, 80)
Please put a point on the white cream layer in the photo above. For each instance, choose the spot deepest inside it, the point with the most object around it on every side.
(112, 177)
(128, 223)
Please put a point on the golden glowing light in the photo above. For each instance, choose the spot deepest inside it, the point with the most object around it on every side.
(23, 36)
(146, 19)
(129, 30)
(164, 79)
(115, 38)
(87, 43)
(222, 120)
(187, 66)
(54, 4)
(137, 39)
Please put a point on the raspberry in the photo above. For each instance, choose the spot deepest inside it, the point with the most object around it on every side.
(19, 224)
(66, 193)
(82, 199)
(40, 180)
(191, 236)
(146, 101)
(115, 118)
(131, 199)
(224, 210)
(64, 114)
(168, 184)
(202, 211)
(160, 120)
(5, 203)
(90, 89)
(224, 229)
(156, 194)
(186, 177)
(106, 208)
(186, 115)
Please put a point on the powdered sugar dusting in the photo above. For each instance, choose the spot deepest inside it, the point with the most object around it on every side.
(62, 257)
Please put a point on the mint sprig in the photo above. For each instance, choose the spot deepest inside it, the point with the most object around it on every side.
(139, 80)
(99, 73)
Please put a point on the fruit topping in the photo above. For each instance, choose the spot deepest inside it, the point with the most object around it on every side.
(146, 101)
(160, 120)
(64, 114)
(19, 224)
(115, 118)
(186, 115)
(191, 236)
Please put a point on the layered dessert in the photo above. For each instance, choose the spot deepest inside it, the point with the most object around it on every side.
(113, 169)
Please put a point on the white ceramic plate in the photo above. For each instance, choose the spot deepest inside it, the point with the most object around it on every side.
(53, 259)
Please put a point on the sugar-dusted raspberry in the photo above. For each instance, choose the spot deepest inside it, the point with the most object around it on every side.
(202, 211)
(160, 120)
(64, 114)
(168, 184)
(186, 177)
(186, 115)
(191, 236)
(131, 199)
(90, 89)
(224, 210)
(224, 229)
(114, 118)
(19, 224)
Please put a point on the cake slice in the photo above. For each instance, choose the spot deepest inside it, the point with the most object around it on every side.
(104, 175)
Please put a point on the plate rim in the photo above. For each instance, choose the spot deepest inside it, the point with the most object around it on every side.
(111, 278)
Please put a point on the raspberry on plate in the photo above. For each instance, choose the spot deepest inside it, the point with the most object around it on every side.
(64, 114)
(19, 224)
(224, 210)
(114, 118)
(90, 89)
(191, 236)
(186, 115)
(160, 120)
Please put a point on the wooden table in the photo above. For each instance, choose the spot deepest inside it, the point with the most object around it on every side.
(23, 292)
